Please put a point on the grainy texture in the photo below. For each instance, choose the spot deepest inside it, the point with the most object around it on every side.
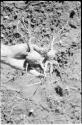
(58, 99)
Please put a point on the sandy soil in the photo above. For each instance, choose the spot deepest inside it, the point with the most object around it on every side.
(54, 100)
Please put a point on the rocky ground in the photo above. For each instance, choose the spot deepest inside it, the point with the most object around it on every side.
(58, 99)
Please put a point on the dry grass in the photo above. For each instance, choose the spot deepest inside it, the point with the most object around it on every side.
(57, 99)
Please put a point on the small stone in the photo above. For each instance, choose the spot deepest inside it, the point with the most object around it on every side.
(30, 112)
(59, 90)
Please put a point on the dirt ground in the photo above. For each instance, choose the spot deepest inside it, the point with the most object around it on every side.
(57, 99)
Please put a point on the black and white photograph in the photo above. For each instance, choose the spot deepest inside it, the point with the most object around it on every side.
(40, 62)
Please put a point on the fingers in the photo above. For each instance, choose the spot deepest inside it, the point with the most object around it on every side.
(18, 64)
